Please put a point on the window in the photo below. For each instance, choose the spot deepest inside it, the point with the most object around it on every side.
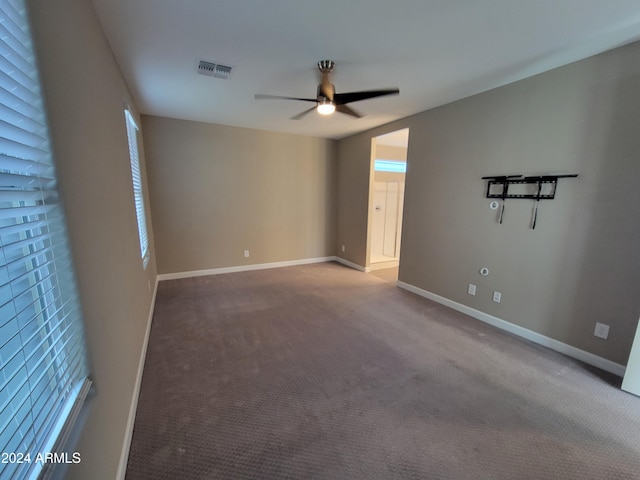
(390, 166)
(132, 137)
(43, 370)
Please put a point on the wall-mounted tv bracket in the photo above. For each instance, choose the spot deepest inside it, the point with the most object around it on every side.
(504, 181)
(544, 185)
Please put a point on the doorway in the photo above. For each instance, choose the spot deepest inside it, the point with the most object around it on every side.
(386, 199)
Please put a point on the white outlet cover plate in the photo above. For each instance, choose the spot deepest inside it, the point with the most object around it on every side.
(472, 289)
(497, 296)
(601, 331)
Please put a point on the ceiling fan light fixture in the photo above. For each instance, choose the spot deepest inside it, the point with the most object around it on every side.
(326, 107)
(327, 100)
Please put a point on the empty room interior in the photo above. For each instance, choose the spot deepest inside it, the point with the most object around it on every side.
(436, 277)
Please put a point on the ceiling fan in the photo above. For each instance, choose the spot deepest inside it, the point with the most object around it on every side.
(327, 100)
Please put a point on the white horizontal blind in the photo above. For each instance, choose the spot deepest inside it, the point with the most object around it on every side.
(138, 196)
(42, 354)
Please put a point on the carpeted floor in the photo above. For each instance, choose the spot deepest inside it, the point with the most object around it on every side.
(323, 372)
(387, 274)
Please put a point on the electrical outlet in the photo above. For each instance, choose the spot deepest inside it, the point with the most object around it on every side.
(497, 296)
(472, 289)
(246, 254)
(343, 248)
(601, 331)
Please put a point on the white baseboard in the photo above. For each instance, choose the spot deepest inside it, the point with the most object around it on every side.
(573, 352)
(243, 268)
(124, 456)
(355, 266)
(261, 266)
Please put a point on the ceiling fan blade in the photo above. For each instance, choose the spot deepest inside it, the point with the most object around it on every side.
(343, 98)
(348, 111)
(302, 114)
(260, 96)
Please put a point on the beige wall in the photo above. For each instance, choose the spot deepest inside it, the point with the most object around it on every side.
(217, 191)
(85, 96)
(582, 263)
(354, 173)
(388, 152)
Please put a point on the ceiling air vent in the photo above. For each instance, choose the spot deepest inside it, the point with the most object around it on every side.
(213, 69)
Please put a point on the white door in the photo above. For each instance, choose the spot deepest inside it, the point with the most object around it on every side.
(391, 220)
(386, 221)
(378, 221)
(631, 382)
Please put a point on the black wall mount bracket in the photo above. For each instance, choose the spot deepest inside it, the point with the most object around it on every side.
(535, 187)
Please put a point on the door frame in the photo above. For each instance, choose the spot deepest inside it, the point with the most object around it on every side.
(371, 206)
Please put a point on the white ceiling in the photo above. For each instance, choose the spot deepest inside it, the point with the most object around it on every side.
(435, 51)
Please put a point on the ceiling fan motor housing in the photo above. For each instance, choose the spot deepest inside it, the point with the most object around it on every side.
(323, 94)
(326, 90)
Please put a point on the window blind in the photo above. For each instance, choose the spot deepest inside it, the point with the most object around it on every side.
(138, 196)
(43, 370)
